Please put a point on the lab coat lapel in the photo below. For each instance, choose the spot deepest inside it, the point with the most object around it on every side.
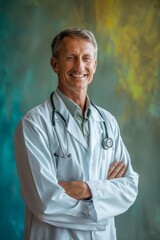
(72, 126)
(95, 129)
(75, 131)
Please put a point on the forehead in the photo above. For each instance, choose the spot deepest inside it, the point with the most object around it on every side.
(76, 45)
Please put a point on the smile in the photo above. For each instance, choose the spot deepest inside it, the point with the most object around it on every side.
(78, 75)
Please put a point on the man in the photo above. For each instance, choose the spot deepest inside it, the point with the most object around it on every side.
(73, 181)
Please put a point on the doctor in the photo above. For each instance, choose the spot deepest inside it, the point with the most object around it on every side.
(74, 169)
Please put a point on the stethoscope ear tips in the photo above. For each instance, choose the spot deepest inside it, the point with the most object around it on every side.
(69, 155)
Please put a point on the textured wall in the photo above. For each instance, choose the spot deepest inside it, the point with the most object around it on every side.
(127, 83)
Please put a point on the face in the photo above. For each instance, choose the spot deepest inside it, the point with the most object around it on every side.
(75, 65)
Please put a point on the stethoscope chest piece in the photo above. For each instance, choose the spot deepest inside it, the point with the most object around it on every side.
(107, 143)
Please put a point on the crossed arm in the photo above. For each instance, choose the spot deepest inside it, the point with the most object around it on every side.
(80, 190)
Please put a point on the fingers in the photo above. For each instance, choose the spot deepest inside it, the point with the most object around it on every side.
(121, 173)
(117, 170)
(112, 167)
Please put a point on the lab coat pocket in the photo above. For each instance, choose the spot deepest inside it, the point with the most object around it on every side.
(67, 169)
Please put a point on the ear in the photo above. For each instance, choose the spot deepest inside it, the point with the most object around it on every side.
(54, 64)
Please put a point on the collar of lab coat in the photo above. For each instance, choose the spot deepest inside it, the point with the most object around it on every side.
(72, 126)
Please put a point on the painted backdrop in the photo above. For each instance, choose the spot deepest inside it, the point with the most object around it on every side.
(127, 83)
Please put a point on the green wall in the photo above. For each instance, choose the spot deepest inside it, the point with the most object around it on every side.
(127, 83)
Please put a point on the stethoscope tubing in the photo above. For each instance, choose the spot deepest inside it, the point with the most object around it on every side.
(107, 142)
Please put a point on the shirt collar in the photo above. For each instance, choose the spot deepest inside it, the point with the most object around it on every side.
(73, 108)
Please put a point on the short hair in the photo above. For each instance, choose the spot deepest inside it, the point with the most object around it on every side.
(75, 33)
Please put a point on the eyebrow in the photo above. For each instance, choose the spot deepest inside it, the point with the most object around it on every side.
(74, 54)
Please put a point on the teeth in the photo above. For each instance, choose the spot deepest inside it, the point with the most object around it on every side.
(78, 75)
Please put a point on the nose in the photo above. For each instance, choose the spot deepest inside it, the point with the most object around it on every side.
(79, 65)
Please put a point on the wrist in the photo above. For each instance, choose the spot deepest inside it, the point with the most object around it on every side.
(87, 192)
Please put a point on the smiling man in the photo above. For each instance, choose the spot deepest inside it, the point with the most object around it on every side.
(74, 169)
(75, 66)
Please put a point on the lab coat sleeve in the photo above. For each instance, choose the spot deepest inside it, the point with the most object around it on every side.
(113, 197)
(40, 190)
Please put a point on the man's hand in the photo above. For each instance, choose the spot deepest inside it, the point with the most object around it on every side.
(117, 170)
(80, 190)
(76, 189)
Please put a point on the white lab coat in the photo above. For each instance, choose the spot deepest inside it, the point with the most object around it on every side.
(50, 213)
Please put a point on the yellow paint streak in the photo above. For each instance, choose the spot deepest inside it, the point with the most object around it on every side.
(133, 30)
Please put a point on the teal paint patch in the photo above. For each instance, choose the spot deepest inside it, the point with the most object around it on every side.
(12, 207)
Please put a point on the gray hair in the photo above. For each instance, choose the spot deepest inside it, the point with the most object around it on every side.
(75, 33)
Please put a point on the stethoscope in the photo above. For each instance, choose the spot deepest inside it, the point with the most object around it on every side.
(107, 142)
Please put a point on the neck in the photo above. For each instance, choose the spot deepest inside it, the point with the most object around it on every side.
(79, 97)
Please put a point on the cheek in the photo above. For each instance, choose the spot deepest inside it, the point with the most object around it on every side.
(65, 68)
(92, 70)
(62, 71)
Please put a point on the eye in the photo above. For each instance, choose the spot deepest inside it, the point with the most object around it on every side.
(70, 58)
(88, 59)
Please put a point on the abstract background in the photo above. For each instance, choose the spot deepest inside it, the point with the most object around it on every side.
(127, 83)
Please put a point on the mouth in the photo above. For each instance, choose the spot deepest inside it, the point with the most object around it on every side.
(78, 75)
